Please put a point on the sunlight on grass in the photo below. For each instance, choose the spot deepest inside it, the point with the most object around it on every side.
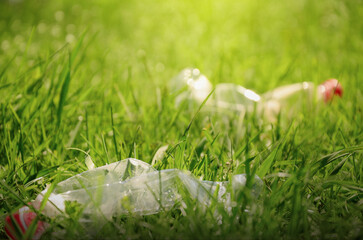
(94, 77)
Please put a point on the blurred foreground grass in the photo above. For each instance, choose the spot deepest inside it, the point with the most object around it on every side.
(65, 65)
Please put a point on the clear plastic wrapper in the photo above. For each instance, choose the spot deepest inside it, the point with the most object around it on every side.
(134, 186)
(126, 187)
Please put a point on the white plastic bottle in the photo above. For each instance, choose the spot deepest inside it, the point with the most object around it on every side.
(127, 186)
(233, 97)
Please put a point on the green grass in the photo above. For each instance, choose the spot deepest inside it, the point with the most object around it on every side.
(93, 76)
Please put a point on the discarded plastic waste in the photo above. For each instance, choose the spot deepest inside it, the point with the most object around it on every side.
(229, 96)
(127, 186)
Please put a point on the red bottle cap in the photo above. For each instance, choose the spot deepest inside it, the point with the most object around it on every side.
(329, 88)
(23, 219)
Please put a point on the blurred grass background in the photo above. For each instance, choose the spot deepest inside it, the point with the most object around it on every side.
(123, 54)
(248, 42)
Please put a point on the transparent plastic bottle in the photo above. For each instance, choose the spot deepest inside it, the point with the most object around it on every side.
(197, 85)
(233, 97)
(128, 186)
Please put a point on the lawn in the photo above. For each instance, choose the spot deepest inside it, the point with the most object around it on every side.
(85, 81)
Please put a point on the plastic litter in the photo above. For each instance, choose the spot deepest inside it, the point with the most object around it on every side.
(129, 186)
(233, 97)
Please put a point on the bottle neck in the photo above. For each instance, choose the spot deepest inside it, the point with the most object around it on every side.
(286, 92)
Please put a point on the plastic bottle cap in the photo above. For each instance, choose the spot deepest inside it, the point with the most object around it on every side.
(23, 219)
(330, 88)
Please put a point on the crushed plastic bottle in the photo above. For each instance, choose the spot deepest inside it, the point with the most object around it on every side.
(233, 97)
(128, 186)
